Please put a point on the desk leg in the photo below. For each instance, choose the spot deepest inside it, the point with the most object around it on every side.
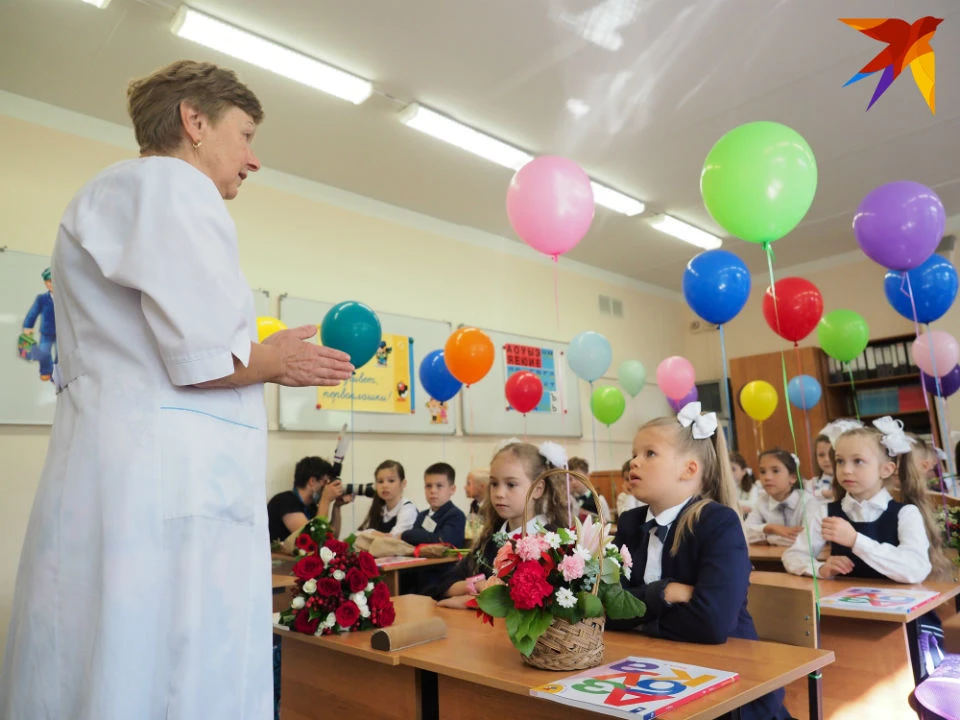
(913, 640)
(428, 695)
(815, 690)
(392, 579)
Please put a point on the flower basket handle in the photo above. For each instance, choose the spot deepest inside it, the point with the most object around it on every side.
(586, 481)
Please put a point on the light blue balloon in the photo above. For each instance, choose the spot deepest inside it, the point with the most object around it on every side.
(804, 391)
(589, 355)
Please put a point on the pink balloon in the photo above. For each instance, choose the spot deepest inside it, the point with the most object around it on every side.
(936, 352)
(675, 377)
(550, 204)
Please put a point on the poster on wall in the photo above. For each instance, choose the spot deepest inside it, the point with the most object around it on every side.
(28, 332)
(383, 385)
(541, 362)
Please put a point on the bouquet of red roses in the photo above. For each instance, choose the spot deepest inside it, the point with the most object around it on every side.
(338, 589)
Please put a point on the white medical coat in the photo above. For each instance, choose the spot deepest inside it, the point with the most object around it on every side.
(143, 590)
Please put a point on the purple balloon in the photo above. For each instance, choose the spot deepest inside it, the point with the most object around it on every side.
(677, 405)
(949, 383)
(900, 224)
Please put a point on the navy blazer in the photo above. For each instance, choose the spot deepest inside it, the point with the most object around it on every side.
(451, 526)
(714, 560)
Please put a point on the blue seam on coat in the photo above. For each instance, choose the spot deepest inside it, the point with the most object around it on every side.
(211, 415)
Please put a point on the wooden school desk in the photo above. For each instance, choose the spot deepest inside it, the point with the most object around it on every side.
(390, 568)
(281, 598)
(876, 667)
(770, 557)
(477, 673)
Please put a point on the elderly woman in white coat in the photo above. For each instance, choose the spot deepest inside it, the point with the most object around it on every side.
(144, 582)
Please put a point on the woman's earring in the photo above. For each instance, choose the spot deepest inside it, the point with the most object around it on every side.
(197, 144)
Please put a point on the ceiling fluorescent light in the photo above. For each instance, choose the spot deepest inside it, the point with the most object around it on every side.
(496, 151)
(218, 35)
(615, 200)
(98, 3)
(466, 138)
(686, 232)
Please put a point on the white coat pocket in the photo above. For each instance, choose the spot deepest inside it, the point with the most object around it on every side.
(208, 466)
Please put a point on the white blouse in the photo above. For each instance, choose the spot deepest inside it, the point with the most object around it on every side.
(789, 512)
(908, 562)
(406, 514)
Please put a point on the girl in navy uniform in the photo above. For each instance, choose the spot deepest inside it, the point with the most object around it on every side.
(514, 467)
(691, 566)
(871, 534)
(390, 512)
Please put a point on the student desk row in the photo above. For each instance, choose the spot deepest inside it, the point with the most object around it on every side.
(475, 672)
(770, 557)
(876, 665)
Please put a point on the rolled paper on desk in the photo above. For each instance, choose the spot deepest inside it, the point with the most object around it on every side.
(404, 635)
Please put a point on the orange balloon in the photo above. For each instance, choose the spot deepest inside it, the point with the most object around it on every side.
(468, 355)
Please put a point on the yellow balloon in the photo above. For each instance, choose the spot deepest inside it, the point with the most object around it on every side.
(758, 399)
(267, 326)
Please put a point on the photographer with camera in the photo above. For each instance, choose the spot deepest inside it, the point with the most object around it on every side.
(316, 491)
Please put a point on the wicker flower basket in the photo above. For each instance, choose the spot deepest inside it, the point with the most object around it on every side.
(566, 646)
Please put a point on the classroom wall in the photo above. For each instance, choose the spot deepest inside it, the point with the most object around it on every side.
(297, 237)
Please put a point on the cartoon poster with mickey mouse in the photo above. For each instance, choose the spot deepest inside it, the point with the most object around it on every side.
(383, 385)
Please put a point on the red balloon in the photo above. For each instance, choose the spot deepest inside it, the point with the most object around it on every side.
(523, 390)
(797, 309)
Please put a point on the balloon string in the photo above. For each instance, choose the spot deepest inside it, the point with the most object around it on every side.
(353, 450)
(926, 399)
(768, 249)
(853, 391)
(756, 439)
(726, 378)
(806, 417)
(556, 288)
(593, 425)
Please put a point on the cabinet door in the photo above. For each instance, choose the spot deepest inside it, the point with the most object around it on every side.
(752, 437)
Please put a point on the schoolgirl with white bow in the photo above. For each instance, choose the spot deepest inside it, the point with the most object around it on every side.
(514, 468)
(781, 511)
(690, 561)
(871, 534)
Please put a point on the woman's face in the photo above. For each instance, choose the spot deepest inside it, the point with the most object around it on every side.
(225, 153)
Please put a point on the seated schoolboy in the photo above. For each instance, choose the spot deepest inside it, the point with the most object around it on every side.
(442, 522)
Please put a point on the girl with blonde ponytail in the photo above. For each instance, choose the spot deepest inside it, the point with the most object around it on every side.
(690, 562)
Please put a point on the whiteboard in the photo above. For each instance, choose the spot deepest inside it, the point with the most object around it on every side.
(485, 408)
(298, 406)
(261, 303)
(27, 400)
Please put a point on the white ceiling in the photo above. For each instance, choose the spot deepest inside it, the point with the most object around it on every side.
(663, 83)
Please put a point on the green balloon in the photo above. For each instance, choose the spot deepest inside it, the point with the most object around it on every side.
(843, 334)
(632, 376)
(607, 404)
(759, 180)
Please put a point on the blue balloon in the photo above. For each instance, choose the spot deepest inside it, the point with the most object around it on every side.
(934, 286)
(436, 378)
(716, 285)
(589, 355)
(354, 328)
(804, 391)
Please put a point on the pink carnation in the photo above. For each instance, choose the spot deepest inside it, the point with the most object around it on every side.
(572, 567)
(531, 546)
(627, 557)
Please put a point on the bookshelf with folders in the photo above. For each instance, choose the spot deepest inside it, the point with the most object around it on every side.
(885, 382)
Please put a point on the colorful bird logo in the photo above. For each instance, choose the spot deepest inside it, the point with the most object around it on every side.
(906, 45)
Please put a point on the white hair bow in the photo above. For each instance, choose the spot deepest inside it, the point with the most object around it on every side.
(894, 439)
(837, 428)
(704, 426)
(940, 453)
(796, 460)
(555, 454)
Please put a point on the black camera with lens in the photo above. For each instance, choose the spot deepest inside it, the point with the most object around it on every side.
(360, 489)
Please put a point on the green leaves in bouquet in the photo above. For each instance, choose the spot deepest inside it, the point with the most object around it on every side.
(526, 626)
(611, 571)
(589, 604)
(495, 601)
(351, 539)
(287, 616)
(621, 604)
